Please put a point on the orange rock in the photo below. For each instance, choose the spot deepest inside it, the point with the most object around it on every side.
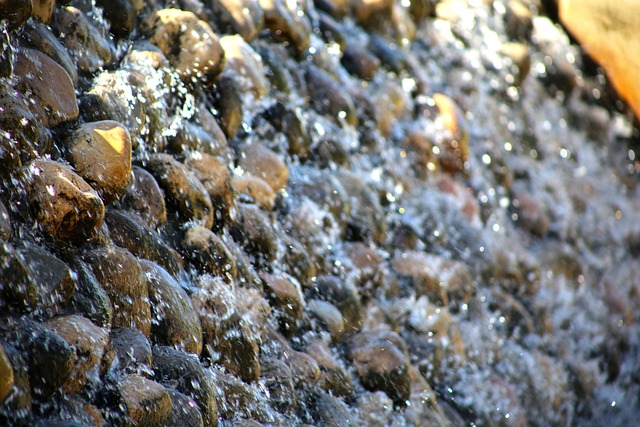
(607, 30)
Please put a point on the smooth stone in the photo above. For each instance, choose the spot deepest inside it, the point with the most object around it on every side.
(128, 232)
(121, 14)
(328, 410)
(132, 349)
(122, 277)
(18, 289)
(455, 152)
(188, 42)
(182, 189)
(101, 154)
(90, 299)
(215, 176)
(228, 102)
(241, 401)
(174, 320)
(286, 299)
(335, 8)
(143, 195)
(519, 55)
(90, 344)
(329, 97)
(286, 23)
(256, 190)
(193, 138)
(243, 17)
(298, 262)
(36, 74)
(254, 232)
(367, 218)
(331, 30)
(210, 125)
(183, 372)
(328, 315)
(16, 12)
(145, 402)
(246, 63)
(184, 411)
(337, 292)
(17, 406)
(381, 360)
(10, 160)
(6, 375)
(278, 380)
(287, 119)
(359, 62)
(208, 253)
(333, 376)
(90, 49)
(43, 9)
(372, 14)
(519, 20)
(66, 206)
(260, 161)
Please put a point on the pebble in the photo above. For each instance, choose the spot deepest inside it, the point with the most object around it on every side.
(298, 262)
(367, 218)
(43, 9)
(145, 402)
(66, 206)
(16, 12)
(531, 213)
(328, 97)
(182, 189)
(184, 411)
(6, 375)
(287, 301)
(358, 61)
(90, 299)
(89, 343)
(278, 379)
(188, 42)
(329, 410)
(337, 292)
(35, 72)
(286, 22)
(519, 55)
(254, 232)
(228, 102)
(174, 320)
(101, 154)
(208, 253)
(246, 64)
(132, 349)
(454, 155)
(122, 277)
(372, 14)
(333, 376)
(121, 15)
(260, 161)
(193, 138)
(328, 316)
(518, 20)
(256, 190)
(183, 372)
(243, 17)
(144, 196)
(16, 407)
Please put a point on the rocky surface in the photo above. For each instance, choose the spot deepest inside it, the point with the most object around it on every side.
(329, 213)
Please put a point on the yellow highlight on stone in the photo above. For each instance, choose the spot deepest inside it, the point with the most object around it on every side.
(115, 137)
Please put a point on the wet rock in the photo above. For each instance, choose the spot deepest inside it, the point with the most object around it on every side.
(298, 261)
(197, 139)
(390, 57)
(65, 205)
(518, 20)
(174, 321)
(120, 274)
(375, 409)
(18, 288)
(333, 376)
(344, 297)
(144, 196)
(43, 9)
(330, 411)
(238, 400)
(335, 8)
(286, 119)
(243, 17)
(440, 279)
(390, 104)
(50, 360)
(16, 407)
(6, 375)
(262, 162)
(245, 63)
(35, 71)
(184, 411)
(279, 76)
(227, 100)
(89, 343)
(38, 36)
(145, 402)
(278, 379)
(372, 13)
(183, 372)
(256, 190)
(216, 178)
(90, 299)
(16, 12)
(9, 152)
(285, 22)
(253, 230)
(331, 31)
(454, 153)
(519, 55)
(188, 42)
(182, 189)
(132, 349)
(121, 14)
(130, 233)
(366, 222)
(328, 97)
(86, 45)
(531, 213)
(101, 154)
(328, 316)
(359, 62)
(286, 299)
(381, 361)
(208, 253)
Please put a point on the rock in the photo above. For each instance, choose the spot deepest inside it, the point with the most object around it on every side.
(216, 178)
(340, 294)
(329, 97)
(373, 14)
(174, 368)
(262, 162)
(228, 101)
(90, 299)
(333, 376)
(86, 45)
(130, 233)
(253, 230)
(18, 288)
(329, 410)
(256, 190)
(286, 299)
(50, 360)
(144, 196)
(145, 402)
(121, 14)
(518, 20)
(101, 154)
(243, 17)
(238, 400)
(246, 64)
(43, 9)
(196, 139)
(286, 119)
(16, 12)
(90, 344)
(132, 349)
(6, 375)
(208, 253)
(285, 21)
(16, 407)
(519, 55)
(39, 36)
(298, 262)
(375, 409)
(454, 153)
(304, 369)
(174, 320)
(188, 42)
(10, 160)
(121, 275)
(335, 8)
(278, 379)
(184, 411)
(328, 315)
(332, 31)
(35, 71)
(531, 213)
(381, 361)
(359, 62)
(65, 205)
(367, 218)
(182, 189)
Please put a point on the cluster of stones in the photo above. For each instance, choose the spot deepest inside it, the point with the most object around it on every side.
(177, 198)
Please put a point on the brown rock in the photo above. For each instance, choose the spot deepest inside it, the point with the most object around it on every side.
(188, 42)
(89, 342)
(519, 55)
(359, 62)
(329, 97)
(262, 162)
(286, 299)
(333, 377)
(243, 17)
(121, 14)
(285, 22)
(16, 12)
(279, 381)
(208, 253)
(144, 196)
(256, 189)
(43, 9)
(65, 205)
(146, 403)
(6, 375)
(101, 154)
(328, 315)
(253, 230)
(5, 222)
(184, 411)
(454, 153)
(37, 73)
(132, 348)
(246, 64)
